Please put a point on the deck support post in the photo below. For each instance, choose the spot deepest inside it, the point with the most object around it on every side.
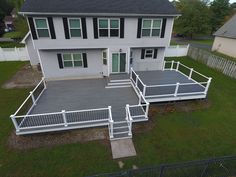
(190, 74)
(176, 89)
(44, 83)
(172, 64)
(15, 123)
(164, 64)
(177, 67)
(208, 85)
(33, 99)
(64, 118)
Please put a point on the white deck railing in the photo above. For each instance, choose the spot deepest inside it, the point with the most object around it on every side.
(176, 89)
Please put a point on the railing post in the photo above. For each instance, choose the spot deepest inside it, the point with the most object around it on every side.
(144, 90)
(147, 109)
(164, 65)
(140, 98)
(64, 117)
(176, 89)
(44, 83)
(172, 64)
(111, 123)
(130, 127)
(33, 99)
(190, 74)
(208, 85)
(177, 67)
(14, 122)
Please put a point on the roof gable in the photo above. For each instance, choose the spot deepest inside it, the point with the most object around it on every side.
(228, 29)
(163, 7)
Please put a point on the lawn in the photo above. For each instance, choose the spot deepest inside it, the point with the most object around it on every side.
(11, 44)
(176, 137)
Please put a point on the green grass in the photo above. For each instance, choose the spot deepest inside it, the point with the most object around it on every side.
(13, 35)
(203, 41)
(10, 44)
(176, 137)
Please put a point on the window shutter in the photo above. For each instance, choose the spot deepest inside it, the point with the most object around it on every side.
(84, 28)
(95, 27)
(60, 63)
(32, 28)
(142, 53)
(155, 54)
(139, 28)
(66, 28)
(51, 28)
(163, 28)
(85, 60)
(122, 27)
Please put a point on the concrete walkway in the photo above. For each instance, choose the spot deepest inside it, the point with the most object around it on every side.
(122, 148)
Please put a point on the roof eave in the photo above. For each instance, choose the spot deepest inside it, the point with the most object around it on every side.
(98, 14)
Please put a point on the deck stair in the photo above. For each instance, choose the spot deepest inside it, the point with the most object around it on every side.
(118, 83)
(121, 130)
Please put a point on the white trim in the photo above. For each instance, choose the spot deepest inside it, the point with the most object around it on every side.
(151, 28)
(36, 29)
(24, 39)
(100, 14)
(109, 28)
(68, 22)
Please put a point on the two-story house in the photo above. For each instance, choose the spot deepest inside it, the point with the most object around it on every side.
(90, 39)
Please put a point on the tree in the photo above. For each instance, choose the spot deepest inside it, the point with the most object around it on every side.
(194, 17)
(219, 9)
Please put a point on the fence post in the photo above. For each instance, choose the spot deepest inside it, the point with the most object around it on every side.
(44, 83)
(177, 67)
(14, 122)
(172, 64)
(162, 170)
(144, 90)
(176, 89)
(164, 64)
(190, 74)
(33, 99)
(208, 85)
(64, 117)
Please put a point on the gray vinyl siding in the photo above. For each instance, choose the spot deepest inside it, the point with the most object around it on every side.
(53, 72)
(34, 59)
(130, 37)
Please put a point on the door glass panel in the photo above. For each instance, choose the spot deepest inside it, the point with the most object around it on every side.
(122, 62)
(115, 62)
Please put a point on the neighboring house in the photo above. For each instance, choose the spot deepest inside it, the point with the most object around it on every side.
(225, 38)
(97, 38)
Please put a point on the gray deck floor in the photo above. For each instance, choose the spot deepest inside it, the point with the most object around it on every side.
(167, 77)
(71, 95)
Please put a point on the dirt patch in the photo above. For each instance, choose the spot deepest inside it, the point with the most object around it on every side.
(167, 108)
(57, 138)
(24, 78)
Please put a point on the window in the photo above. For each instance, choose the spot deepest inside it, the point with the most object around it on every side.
(149, 53)
(151, 28)
(41, 26)
(75, 27)
(72, 60)
(109, 27)
(104, 57)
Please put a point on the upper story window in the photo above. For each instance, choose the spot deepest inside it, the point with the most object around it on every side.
(75, 27)
(109, 27)
(151, 27)
(72, 60)
(41, 25)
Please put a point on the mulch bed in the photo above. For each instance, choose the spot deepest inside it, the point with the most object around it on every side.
(24, 78)
(26, 142)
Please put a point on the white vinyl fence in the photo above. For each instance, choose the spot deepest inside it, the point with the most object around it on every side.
(14, 54)
(177, 51)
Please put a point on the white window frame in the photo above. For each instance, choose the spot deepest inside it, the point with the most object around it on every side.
(109, 28)
(146, 54)
(151, 27)
(72, 59)
(68, 21)
(36, 29)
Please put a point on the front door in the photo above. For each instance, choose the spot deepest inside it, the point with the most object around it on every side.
(118, 62)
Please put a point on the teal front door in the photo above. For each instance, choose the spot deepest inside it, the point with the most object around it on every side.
(118, 62)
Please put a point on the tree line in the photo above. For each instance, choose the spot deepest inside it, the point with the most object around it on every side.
(200, 17)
